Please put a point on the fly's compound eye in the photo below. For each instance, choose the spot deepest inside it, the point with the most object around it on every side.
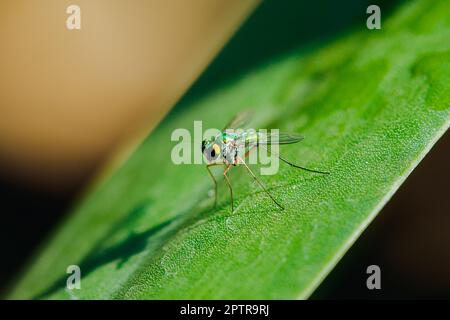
(215, 151)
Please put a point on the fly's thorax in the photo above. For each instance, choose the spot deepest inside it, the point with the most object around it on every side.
(233, 150)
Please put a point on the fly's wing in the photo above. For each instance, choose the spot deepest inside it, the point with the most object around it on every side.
(278, 138)
(239, 120)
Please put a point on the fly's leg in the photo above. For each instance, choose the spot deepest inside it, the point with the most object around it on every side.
(247, 153)
(260, 184)
(229, 185)
(214, 179)
(294, 165)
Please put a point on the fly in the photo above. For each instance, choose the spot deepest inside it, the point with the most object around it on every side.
(231, 149)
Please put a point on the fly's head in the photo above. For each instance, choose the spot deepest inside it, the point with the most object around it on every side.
(212, 150)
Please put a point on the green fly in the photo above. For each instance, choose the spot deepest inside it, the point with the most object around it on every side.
(231, 147)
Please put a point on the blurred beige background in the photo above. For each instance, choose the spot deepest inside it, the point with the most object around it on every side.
(69, 99)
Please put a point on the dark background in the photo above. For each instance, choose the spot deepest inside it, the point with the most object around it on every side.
(409, 240)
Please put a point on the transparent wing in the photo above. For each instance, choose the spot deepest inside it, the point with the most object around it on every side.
(278, 138)
(239, 120)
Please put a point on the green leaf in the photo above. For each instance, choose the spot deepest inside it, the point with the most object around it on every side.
(370, 105)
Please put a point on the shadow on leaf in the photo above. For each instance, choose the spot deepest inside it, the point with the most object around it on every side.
(102, 254)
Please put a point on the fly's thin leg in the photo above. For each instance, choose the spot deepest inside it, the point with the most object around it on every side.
(261, 184)
(248, 152)
(214, 179)
(294, 165)
(229, 185)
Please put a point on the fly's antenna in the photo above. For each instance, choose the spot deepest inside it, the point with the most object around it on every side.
(294, 165)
